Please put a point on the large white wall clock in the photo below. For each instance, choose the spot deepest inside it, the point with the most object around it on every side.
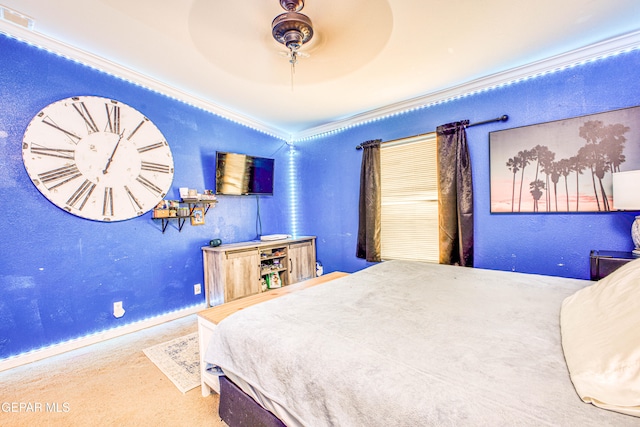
(97, 158)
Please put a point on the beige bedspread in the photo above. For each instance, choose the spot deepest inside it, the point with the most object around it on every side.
(411, 344)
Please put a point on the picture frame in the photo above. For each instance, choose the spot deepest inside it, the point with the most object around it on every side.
(563, 166)
(197, 216)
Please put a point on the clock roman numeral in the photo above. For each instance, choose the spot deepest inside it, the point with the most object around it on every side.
(107, 204)
(59, 176)
(86, 116)
(137, 128)
(81, 195)
(113, 118)
(134, 201)
(151, 147)
(155, 167)
(149, 185)
(72, 136)
(53, 152)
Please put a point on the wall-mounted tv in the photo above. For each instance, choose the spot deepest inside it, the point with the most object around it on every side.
(239, 174)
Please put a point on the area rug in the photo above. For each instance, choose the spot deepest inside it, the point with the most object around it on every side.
(179, 360)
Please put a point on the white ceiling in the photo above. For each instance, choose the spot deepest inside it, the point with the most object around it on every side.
(365, 54)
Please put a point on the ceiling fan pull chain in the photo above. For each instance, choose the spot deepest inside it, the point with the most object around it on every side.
(293, 71)
(293, 60)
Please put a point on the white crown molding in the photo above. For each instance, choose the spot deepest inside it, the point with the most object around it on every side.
(602, 49)
(589, 53)
(74, 54)
(43, 353)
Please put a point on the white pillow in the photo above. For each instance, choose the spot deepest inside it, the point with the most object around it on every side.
(600, 327)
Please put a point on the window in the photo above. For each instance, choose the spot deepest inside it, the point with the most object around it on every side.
(409, 227)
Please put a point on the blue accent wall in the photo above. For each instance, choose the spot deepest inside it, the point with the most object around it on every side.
(60, 274)
(551, 244)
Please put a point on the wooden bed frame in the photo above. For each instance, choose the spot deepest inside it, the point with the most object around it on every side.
(209, 318)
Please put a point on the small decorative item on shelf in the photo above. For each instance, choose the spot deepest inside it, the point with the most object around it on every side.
(208, 196)
(173, 208)
(161, 213)
(161, 210)
(189, 195)
(183, 211)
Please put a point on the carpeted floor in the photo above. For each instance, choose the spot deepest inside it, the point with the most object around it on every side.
(107, 384)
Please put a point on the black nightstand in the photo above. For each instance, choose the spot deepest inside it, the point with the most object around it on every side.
(604, 263)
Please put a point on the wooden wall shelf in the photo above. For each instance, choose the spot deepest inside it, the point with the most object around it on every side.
(178, 214)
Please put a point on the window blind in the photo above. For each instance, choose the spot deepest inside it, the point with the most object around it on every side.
(409, 227)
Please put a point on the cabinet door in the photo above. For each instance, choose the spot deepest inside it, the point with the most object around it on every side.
(302, 261)
(242, 274)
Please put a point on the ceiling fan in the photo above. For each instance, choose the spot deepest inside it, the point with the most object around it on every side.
(292, 29)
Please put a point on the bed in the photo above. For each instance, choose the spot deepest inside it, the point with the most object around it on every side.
(409, 343)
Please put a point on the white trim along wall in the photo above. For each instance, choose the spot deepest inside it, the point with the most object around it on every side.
(43, 353)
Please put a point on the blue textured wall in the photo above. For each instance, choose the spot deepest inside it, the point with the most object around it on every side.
(553, 244)
(61, 274)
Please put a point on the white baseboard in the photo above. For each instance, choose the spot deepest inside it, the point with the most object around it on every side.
(43, 353)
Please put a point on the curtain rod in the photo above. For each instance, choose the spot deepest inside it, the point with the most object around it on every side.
(502, 118)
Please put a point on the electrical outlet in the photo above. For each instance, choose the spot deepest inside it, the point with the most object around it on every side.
(118, 311)
(197, 289)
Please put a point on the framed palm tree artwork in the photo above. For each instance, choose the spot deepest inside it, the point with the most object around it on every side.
(565, 165)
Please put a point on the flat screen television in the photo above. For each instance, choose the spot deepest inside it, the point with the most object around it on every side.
(239, 174)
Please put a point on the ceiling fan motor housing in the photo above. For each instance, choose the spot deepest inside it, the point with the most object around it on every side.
(291, 28)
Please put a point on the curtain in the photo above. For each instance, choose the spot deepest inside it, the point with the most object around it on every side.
(455, 195)
(368, 246)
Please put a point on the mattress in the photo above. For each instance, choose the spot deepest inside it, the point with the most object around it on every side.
(408, 343)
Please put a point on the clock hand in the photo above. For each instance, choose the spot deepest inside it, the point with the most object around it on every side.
(106, 168)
